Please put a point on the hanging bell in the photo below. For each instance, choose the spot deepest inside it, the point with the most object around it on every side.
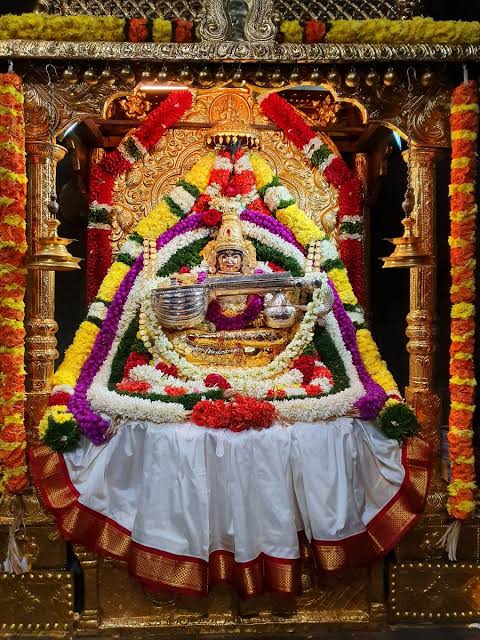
(408, 252)
(52, 254)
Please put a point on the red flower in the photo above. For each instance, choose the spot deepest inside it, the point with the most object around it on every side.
(216, 380)
(276, 393)
(211, 217)
(175, 391)
(61, 397)
(201, 203)
(274, 267)
(134, 360)
(133, 386)
(306, 365)
(337, 172)
(314, 31)
(250, 413)
(350, 198)
(183, 30)
(167, 369)
(138, 30)
(184, 270)
(230, 190)
(313, 389)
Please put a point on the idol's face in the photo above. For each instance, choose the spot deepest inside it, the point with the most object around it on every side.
(229, 261)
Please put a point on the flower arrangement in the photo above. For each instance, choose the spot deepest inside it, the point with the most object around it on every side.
(102, 178)
(463, 219)
(124, 364)
(336, 172)
(237, 415)
(33, 26)
(380, 31)
(13, 470)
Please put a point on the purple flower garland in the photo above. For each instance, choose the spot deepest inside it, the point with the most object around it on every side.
(375, 397)
(240, 321)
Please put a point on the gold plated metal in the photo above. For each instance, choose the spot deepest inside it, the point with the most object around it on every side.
(408, 252)
(52, 254)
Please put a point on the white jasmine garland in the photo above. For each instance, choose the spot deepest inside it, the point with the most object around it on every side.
(222, 163)
(275, 195)
(160, 346)
(98, 310)
(311, 146)
(182, 198)
(132, 248)
(328, 406)
(170, 249)
(243, 164)
(268, 238)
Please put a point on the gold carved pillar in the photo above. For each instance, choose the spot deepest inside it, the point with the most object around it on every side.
(422, 318)
(40, 325)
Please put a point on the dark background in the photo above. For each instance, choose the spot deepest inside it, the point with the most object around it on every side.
(439, 9)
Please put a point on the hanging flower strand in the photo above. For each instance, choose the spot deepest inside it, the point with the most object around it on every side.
(463, 214)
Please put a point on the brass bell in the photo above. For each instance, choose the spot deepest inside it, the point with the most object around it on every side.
(408, 250)
(53, 254)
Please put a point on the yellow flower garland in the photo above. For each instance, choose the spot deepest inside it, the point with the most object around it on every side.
(33, 26)
(418, 30)
(160, 219)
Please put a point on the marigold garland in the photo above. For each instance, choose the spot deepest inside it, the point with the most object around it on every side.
(337, 173)
(13, 470)
(462, 241)
(132, 148)
(33, 26)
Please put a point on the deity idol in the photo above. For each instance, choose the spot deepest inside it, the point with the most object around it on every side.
(224, 407)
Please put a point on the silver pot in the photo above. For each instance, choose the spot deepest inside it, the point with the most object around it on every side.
(180, 307)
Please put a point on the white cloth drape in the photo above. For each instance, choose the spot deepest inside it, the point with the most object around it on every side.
(190, 491)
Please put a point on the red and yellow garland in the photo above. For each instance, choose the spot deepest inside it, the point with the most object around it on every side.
(13, 470)
(463, 214)
(102, 179)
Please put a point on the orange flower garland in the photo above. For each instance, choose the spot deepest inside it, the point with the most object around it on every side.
(463, 214)
(13, 470)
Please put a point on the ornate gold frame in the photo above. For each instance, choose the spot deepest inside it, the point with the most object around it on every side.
(113, 605)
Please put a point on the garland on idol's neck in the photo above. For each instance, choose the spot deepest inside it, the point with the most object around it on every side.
(337, 173)
(103, 175)
(223, 322)
(13, 246)
(463, 219)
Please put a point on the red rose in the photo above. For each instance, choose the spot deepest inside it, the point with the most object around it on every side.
(132, 386)
(184, 270)
(167, 369)
(201, 203)
(216, 380)
(211, 217)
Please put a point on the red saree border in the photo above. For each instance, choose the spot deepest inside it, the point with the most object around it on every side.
(162, 571)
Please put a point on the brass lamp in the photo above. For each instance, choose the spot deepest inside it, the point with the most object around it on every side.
(52, 254)
(408, 250)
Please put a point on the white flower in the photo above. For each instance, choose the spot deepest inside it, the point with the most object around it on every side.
(275, 195)
(311, 146)
(132, 248)
(182, 198)
(271, 240)
(98, 310)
